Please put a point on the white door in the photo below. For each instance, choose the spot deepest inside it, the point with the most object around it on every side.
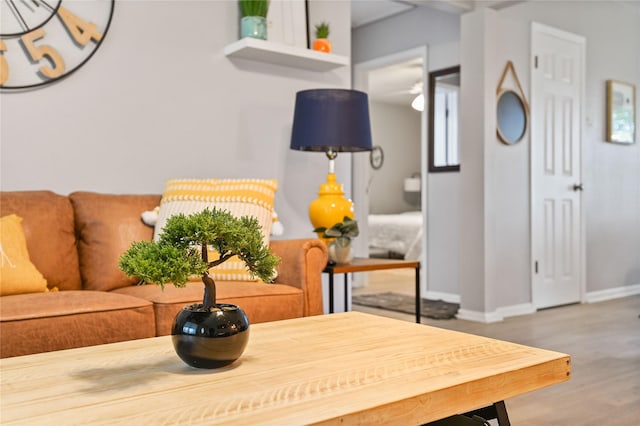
(556, 178)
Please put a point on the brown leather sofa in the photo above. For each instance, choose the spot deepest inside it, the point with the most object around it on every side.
(75, 242)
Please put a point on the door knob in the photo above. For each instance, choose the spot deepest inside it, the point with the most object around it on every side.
(577, 187)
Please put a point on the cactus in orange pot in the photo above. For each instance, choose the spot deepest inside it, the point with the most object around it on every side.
(322, 42)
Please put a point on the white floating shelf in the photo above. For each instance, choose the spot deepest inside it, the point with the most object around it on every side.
(282, 54)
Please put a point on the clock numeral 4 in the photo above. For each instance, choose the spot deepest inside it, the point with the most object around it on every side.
(4, 67)
(39, 52)
(81, 31)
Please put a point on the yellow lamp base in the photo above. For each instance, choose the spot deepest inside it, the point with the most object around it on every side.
(331, 206)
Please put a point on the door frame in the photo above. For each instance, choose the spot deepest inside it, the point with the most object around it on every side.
(536, 29)
(360, 163)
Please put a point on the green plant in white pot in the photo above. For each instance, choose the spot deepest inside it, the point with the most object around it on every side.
(339, 238)
(254, 18)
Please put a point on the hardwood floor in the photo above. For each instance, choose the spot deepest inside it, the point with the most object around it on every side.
(602, 338)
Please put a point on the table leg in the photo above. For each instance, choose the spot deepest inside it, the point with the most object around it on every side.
(346, 291)
(330, 292)
(497, 410)
(418, 296)
(501, 414)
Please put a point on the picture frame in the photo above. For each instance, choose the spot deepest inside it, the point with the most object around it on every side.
(621, 112)
(287, 22)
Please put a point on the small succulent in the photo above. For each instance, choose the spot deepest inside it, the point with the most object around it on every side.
(322, 30)
(254, 7)
(343, 231)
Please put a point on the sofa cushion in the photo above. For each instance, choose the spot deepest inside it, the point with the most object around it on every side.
(47, 220)
(42, 322)
(241, 197)
(261, 302)
(107, 224)
(17, 274)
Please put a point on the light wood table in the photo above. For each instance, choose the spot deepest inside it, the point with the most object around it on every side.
(347, 368)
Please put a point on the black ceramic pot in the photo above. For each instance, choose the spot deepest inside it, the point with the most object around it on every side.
(210, 339)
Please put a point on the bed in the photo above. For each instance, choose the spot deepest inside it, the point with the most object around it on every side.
(396, 235)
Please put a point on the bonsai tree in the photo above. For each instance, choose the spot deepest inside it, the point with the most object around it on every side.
(254, 7)
(343, 231)
(182, 251)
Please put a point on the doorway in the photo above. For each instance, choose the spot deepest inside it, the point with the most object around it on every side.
(364, 174)
(557, 217)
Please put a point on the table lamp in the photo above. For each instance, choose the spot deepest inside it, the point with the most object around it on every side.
(331, 121)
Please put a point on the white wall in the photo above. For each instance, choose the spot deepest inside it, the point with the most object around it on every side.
(396, 129)
(160, 100)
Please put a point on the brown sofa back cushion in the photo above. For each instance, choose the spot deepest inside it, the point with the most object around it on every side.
(49, 230)
(106, 225)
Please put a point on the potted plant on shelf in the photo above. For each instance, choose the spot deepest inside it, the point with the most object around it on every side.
(217, 333)
(339, 238)
(254, 18)
(322, 42)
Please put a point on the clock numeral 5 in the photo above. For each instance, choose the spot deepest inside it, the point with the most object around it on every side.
(81, 31)
(39, 52)
(4, 67)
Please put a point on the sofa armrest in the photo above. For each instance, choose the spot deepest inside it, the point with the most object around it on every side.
(301, 265)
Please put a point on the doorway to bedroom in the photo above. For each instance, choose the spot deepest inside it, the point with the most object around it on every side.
(389, 186)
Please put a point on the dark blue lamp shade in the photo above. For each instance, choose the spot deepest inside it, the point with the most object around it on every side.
(331, 120)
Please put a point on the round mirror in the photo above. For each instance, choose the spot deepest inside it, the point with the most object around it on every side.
(511, 117)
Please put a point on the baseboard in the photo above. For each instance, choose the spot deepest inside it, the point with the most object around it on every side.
(476, 316)
(612, 293)
(497, 315)
(439, 295)
(528, 308)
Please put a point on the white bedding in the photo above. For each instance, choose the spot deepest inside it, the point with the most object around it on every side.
(397, 233)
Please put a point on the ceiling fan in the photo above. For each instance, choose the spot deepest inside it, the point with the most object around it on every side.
(414, 92)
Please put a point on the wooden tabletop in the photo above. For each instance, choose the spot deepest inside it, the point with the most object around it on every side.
(364, 264)
(332, 369)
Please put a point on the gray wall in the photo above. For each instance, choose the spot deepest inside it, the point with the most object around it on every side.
(396, 129)
(414, 28)
(611, 172)
(160, 100)
(495, 204)
(441, 32)
(494, 208)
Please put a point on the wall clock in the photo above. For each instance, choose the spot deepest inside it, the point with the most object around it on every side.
(376, 157)
(43, 41)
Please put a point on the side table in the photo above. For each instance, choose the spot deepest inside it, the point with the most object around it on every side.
(369, 265)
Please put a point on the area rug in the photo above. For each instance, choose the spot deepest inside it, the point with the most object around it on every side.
(435, 309)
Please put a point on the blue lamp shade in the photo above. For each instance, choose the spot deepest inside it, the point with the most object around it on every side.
(331, 120)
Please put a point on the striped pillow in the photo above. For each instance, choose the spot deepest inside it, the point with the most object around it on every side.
(241, 197)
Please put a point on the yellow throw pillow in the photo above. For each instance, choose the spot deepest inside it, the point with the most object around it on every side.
(241, 197)
(17, 274)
